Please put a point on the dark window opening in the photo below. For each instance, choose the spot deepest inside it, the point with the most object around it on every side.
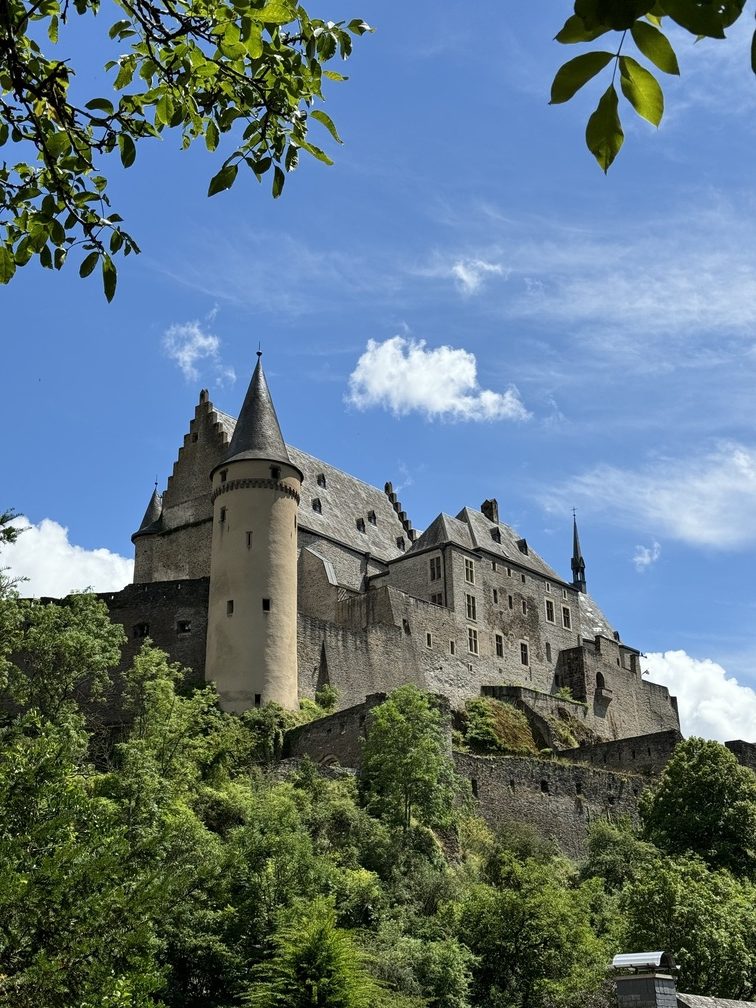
(275, 472)
(578, 787)
(249, 540)
(435, 568)
(372, 518)
(511, 784)
(360, 524)
(510, 602)
(522, 577)
(474, 787)
(194, 438)
(524, 658)
(184, 626)
(141, 630)
(452, 647)
(321, 480)
(224, 475)
(406, 626)
(548, 652)
(495, 597)
(499, 646)
(258, 699)
(600, 681)
(496, 535)
(317, 507)
(400, 543)
(230, 607)
(545, 786)
(266, 605)
(222, 515)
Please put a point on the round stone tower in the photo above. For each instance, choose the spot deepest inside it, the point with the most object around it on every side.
(252, 613)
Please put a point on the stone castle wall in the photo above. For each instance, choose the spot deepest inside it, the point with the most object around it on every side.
(644, 754)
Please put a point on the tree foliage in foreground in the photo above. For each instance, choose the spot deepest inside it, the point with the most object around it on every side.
(181, 871)
(635, 25)
(240, 75)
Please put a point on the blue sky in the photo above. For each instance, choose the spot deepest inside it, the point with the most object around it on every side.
(599, 331)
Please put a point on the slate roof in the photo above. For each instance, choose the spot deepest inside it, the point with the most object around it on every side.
(441, 530)
(152, 515)
(481, 529)
(257, 433)
(592, 620)
(343, 500)
(696, 1001)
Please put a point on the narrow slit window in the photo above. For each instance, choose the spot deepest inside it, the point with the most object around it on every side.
(321, 480)
(360, 524)
(495, 596)
(429, 640)
(230, 607)
(548, 651)
(266, 605)
(452, 647)
(249, 540)
(275, 473)
(524, 654)
(317, 507)
(566, 618)
(222, 515)
(258, 699)
(499, 646)
(224, 475)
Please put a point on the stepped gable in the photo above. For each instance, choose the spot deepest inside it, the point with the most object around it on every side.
(442, 530)
(483, 533)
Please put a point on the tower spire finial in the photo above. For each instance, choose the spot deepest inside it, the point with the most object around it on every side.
(578, 563)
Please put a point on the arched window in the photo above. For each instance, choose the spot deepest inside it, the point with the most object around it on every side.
(600, 681)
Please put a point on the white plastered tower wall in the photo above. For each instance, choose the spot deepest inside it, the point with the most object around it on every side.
(252, 613)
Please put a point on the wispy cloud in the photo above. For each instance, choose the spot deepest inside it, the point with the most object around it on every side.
(704, 500)
(192, 346)
(712, 703)
(646, 556)
(53, 565)
(468, 274)
(403, 375)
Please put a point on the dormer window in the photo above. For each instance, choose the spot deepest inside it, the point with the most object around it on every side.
(317, 507)
(522, 546)
(360, 524)
(372, 518)
(400, 543)
(322, 480)
(496, 535)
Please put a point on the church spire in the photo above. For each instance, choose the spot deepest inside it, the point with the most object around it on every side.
(257, 434)
(578, 563)
(153, 513)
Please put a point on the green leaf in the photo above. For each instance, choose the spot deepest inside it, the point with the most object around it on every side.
(109, 277)
(128, 150)
(655, 47)
(118, 27)
(58, 143)
(334, 75)
(315, 151)
(211, 136)
(575, 73)
(278, 181)
(708, 19)
(603, 134)
(88, 264)
(275, 12)
(52, 30)
(7, 265)
(326, 120)
(223, 180)
(642, 90)
(164, 110)
(574, 30)
(100, 105)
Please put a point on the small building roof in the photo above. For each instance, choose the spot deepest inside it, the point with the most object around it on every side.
(152, 515)
(642, 960)
(697, 1001)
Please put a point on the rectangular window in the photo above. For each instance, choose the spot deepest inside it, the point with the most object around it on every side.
(510, 602)
(452, 647)
(275, 473)
(493, 565)
(509, 572)
(372, 518)
(522, 576)
(435, 568)
(429, 640)
(566, 620)
(230, 607)
(471, 607)
(317, 507)
(222, 515)
(495, 596)
(437, 598)
(524, 656)
(472, 640)
(224, 475)
(549, 610)
(524, 608)
(469, 571)
(141, 630)
(499, 646)
(548, 651)
(548, 587)
(249, 540)
(258, 699)
(184, 626)
(360, 524)
(564, 593)
(266, 605)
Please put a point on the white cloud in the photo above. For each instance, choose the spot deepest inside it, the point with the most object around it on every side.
(470, 273)
(645, 556)
(705, 500)
(403, 376)
(188, 344)
(712, 704)
(55, 566)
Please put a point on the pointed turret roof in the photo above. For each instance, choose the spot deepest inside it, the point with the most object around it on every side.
(578, 563)
(153, 514)
(257, 434)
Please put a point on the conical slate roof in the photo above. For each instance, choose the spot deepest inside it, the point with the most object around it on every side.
(153, 514)
(257, 434)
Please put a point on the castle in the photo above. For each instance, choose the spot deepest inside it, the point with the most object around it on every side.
(272, 573)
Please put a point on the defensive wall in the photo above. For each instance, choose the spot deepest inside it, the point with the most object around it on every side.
(644, 754)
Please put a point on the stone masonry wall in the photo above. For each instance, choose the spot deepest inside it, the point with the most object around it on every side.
(644, 754)
(744, 752)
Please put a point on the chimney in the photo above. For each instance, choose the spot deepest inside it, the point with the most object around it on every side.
(645, 980)
(490, 509)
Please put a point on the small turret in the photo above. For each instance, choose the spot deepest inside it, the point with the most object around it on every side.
(578, 563)
(144, 541)
(152, 515)
(252, 614)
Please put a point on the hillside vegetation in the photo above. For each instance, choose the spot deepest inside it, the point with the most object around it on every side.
(171, 867)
